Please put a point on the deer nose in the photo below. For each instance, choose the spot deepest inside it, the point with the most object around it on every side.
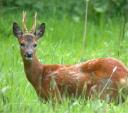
(29, 54)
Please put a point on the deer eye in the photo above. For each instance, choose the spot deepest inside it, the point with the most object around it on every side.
(22, 45)
(34, 45)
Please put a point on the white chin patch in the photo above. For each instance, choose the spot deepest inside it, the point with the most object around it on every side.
(30, 59)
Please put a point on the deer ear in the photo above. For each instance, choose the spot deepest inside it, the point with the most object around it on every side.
(16, 30)
(40, 30)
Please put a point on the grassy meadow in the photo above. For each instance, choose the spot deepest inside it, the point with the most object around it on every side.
(61, 44)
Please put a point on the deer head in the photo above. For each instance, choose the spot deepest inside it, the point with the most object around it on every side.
(28, 39)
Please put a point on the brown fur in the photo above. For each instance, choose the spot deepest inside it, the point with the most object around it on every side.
(91, 75)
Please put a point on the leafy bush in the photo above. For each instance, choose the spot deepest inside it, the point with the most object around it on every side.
(71, 7)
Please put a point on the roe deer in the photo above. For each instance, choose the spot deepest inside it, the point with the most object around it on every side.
(104, 76)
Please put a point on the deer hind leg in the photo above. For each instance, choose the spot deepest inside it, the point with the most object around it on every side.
(103, 90)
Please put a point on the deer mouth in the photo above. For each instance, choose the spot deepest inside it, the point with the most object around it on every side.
(28, 57)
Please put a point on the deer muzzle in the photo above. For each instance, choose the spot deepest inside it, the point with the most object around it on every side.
(29, 55)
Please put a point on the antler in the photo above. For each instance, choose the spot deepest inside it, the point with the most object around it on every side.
(23, 22)
(34, 24)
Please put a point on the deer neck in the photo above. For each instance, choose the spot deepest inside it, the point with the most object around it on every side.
(33, 69)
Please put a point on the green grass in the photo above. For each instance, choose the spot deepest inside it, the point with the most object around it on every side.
(62, 43)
